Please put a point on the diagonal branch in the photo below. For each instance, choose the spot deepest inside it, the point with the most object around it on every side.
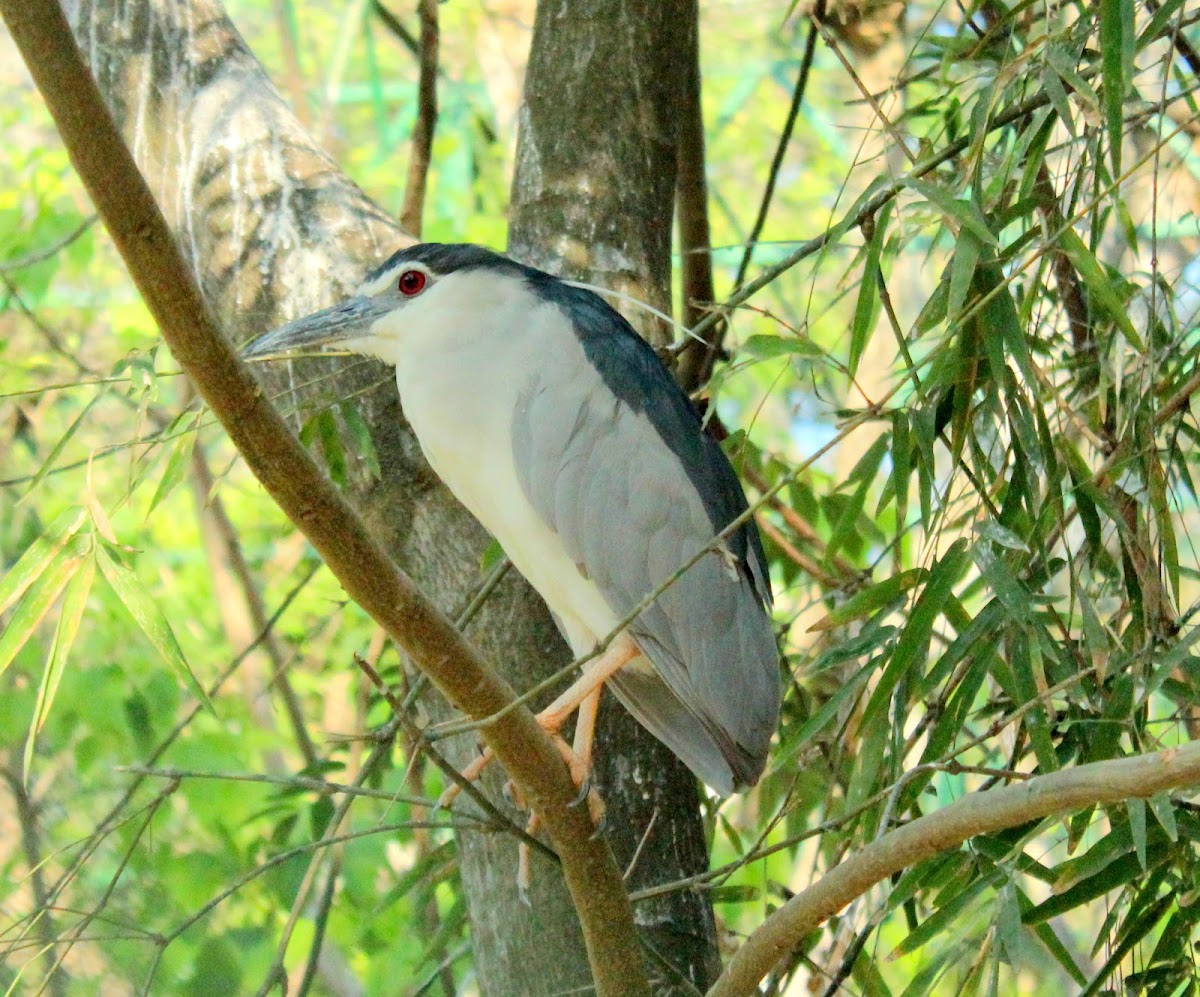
(309, 499)
(1139, 777)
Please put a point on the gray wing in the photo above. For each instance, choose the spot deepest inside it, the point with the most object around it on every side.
(615, 460)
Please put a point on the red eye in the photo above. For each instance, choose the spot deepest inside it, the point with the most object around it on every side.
(412, 282)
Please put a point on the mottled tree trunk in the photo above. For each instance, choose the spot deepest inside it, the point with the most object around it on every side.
(273, 229)
(593, 199)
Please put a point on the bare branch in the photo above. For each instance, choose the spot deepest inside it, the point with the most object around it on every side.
(26, 811)
(427, 112)
(1099, 783)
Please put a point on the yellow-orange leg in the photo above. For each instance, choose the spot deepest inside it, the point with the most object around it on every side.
(583, 695)
(523, 877)
(469, 774)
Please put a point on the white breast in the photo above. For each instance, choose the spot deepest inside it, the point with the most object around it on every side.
(459, 391)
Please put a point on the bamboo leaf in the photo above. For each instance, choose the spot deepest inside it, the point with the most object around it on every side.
(60, 446)
(1134, 933)
(1137, 828)
(964, 212)
(1164, 813)
(962, 271)
(914, 638)
(1117, 39)
(882, 593)
(1099, 284)
(181, 452)
(150, 619)
(866, 308)
(73, 604)
(364, 443)
(38, 555)
(36, 603)
(763, 347)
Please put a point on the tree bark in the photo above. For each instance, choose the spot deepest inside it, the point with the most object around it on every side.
(593, 200)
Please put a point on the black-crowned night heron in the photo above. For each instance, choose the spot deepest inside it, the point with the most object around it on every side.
(562, 432)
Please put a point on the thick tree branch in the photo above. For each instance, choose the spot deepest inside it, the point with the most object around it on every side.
(427, 112)
(695, 237)
(310, 500)
(979, 813)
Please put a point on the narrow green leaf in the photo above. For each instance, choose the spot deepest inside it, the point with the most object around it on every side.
(69, 617)
(998, 320)
(947, 916)
(829, 709)
(1008, 926)
(149, 617)
(1134, 933)
(364, 444)
(331, 447)
(1113, 34)
(1045, 934)
(1164, 813)
(966, 213)
(38, 555)
(1113, 876)
(1099, 284)
(492, 555)
(1064, 64)
(177, 462)
(901, 468)
(763, 347)
(882, 593)
(1025, 660)
(864, 473)
(37, 602)
(1158, 23)
(962, 271)
(866, 308)
(914, 638)
(1137, 827)
(1052, 83)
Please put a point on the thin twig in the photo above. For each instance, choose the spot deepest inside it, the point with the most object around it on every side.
(26, 811)
(781, 147)
(404, 721)
(320, 921)
(56, 247)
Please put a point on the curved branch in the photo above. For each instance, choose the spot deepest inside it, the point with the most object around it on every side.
(979, 813)
(309, 499)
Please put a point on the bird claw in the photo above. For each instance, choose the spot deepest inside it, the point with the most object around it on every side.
(601, 827)
(585, 787)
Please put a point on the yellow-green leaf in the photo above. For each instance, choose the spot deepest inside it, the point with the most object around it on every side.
(150, 619)
(69, 617)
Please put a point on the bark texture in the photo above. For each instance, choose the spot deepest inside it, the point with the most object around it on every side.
(593, 200)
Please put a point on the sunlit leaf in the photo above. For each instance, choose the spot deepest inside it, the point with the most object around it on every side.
(150, 619)
(33, 607)
(73, 604)
(38, 555)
